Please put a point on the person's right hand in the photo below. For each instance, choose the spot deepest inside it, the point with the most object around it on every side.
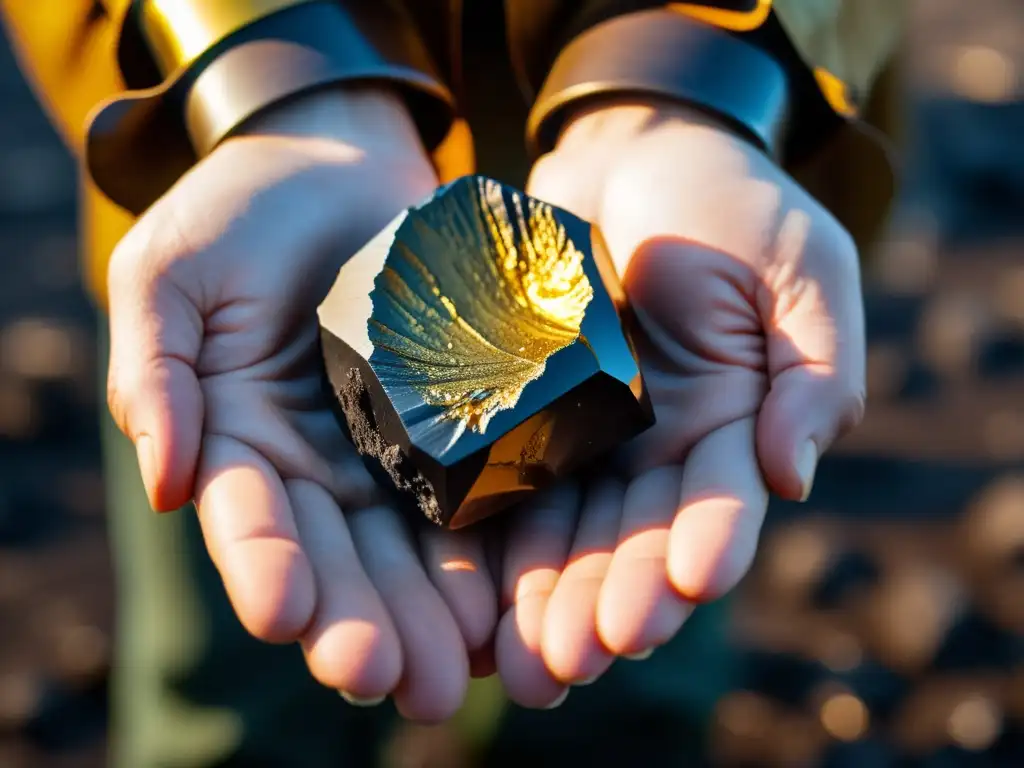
(215, 376)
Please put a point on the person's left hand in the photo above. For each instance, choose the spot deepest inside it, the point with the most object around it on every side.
(751, 338)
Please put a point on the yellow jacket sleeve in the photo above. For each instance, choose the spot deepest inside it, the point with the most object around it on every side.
(143, 89)
(849, 41)
(800, 78)
(850, 48)
(66, 49)
(140, 90)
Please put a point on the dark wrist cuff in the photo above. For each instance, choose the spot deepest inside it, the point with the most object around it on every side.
(211, 79)
(305, 49)
(665, 55)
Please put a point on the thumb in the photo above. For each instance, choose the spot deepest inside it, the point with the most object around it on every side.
(813, 317)
(807, 408)
(152, 390)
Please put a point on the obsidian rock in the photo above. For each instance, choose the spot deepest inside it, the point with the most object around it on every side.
(478, 349)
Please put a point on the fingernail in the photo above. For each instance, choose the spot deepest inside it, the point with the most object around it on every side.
(147, 464)
(357, 702)
(559, 701)
(806, 465)
(640, 656)
(588, 681)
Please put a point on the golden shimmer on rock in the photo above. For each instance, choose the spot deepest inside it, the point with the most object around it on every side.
(474, 315)
(477, 350)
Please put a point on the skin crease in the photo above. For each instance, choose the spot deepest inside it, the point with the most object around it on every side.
(747, 294)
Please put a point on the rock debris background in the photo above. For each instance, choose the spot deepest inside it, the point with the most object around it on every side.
(884, 622)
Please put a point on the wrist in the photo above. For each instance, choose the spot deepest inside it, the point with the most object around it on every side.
(372, 119)
(313, 47)
(705, 70)
(198, 71)
(617, 122)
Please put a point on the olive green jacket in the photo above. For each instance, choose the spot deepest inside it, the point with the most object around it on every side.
(138, 89)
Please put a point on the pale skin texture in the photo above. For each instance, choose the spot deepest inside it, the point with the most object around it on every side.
(748, 298)
(753, 347)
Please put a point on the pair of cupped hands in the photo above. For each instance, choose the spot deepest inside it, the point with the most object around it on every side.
(747, 296)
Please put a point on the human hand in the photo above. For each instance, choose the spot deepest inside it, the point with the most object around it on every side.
(215, 375)
(750, 334)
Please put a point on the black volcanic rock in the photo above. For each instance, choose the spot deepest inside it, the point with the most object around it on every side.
(477, 350)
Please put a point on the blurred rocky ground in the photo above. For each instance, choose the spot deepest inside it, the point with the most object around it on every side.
(884, 622)
(55, 584)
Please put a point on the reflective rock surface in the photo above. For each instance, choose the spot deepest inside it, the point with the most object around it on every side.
(478, 350)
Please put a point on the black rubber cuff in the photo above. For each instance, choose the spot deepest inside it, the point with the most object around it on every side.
(305, 48)
(667, 55)
(141, 142)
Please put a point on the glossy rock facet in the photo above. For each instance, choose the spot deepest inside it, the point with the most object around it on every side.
(477, 350)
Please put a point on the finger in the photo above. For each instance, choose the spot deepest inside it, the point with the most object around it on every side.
(572, 649)
(436, 670)
(637, 609)
(813, 315)
(152, 389)
(251, 535)
(456, 563)
(721, 509)
(351, 644)
(301, 439)
(537, 544)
